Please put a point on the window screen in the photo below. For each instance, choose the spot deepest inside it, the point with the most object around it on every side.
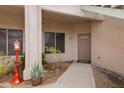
(49, 41)
(56, 40)
(12, 36)
(60, 42)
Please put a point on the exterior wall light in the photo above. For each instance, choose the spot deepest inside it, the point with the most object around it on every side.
(70, 36)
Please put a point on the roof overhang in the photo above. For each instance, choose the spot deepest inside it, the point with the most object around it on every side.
(118, 13)
(72, 10)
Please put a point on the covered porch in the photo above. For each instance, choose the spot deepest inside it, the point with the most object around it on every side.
(68, 29)
(64, 30)
(58, 27)
(37, 22)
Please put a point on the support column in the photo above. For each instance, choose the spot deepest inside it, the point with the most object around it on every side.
(33, 39)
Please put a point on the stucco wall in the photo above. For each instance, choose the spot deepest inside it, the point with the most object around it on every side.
(11, 21)
(108, 44)
(71, 47)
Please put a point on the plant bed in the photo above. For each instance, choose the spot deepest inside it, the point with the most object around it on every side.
(49, 77)
(105, 81)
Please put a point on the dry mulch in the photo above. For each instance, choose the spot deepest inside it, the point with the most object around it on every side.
(49, 77)
(104, 81)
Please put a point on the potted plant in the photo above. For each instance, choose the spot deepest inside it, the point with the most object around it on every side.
(54, 52)
(36, 75)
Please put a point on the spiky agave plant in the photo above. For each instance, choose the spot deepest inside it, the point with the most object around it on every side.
(36, 74)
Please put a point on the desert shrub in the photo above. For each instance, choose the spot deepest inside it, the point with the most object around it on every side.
(44, 61)
(119, 86)
(22, 58)
(11, 67)
(1, 53)
(22, 66)
(54, 52)
(3, 69)
(6, 66)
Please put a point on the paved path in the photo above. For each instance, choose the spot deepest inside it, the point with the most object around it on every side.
(78, 75)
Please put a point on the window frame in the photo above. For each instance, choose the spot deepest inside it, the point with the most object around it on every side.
(7, 39)
(55, 42)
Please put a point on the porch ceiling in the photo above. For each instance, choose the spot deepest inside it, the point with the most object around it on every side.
(12, 9)
(63, 17)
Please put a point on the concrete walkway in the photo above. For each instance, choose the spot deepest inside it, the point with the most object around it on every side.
(78, 75)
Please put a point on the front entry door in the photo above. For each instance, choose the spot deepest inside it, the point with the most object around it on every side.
(84, 47)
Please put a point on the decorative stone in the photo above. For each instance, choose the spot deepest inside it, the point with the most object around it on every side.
(111, 73)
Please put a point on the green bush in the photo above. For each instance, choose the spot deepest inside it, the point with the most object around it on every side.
(3, 70)
(119, 86)
(44, 60)
(22, 66)
(54, 52)
(1, 53)
(22, 58)
(11, 67)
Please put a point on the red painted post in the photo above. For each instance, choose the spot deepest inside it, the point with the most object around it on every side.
(16, 79)
(17, 58)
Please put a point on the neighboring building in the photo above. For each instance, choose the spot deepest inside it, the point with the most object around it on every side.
(79, 33)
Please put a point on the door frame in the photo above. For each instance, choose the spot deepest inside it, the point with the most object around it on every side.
(78, 46)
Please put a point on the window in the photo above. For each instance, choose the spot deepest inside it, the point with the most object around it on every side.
(7, 37)
(49, 41)
(56, 40)
(12, 36)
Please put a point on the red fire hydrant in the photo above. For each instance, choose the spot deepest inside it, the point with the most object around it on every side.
(17, 79)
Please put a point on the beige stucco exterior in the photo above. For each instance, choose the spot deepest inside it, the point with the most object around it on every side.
(107, 40)
(71, 45)
(108, 44)
(11, 21)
